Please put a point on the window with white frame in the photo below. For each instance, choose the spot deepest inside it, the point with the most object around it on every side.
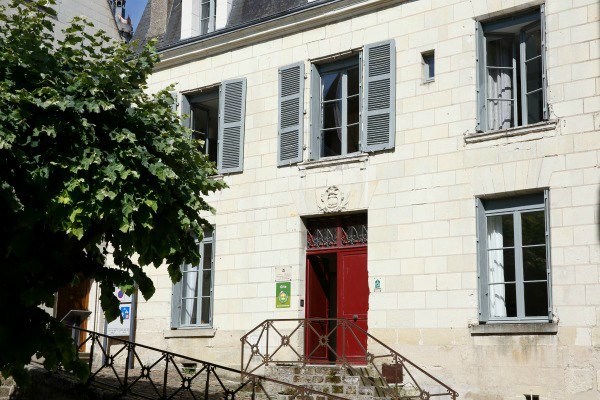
(511, 71)
(208, 11)
(514, 259)
(192, 301)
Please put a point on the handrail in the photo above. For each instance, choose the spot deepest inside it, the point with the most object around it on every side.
(404, 369)
(129, 381)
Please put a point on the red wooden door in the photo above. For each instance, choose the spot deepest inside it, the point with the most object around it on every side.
(353, 302)
(317, 306)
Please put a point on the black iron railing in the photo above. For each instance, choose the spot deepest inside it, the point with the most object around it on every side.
(340, 342)
(158, 374)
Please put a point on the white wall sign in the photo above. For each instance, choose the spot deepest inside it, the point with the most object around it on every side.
(283, 274)
(377, 284)
(116, 327)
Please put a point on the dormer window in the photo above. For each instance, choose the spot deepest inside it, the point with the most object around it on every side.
(198, 17)
(208, 11)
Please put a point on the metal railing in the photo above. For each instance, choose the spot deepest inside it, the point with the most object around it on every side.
(158, 374)
(343, 343)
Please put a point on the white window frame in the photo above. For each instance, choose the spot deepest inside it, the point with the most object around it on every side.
(212, 6)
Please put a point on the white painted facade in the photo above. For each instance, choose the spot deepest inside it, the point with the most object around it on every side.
(420, 197)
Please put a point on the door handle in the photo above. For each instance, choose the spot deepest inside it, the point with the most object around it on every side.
(355, 317)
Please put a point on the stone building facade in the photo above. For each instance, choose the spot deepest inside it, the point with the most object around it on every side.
(478, 183)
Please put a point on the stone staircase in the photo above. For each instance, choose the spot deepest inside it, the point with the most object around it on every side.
(360, 383)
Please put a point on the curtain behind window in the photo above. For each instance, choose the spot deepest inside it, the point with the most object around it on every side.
(497, 292)
(500, 83)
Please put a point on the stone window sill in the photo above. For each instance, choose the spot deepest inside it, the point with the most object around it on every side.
(508, 329)
(511, 132)
(190, 333)
(333, 161)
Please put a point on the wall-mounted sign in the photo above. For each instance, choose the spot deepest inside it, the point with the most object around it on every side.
(118, 327)
(377, 285)
(283, 294)
(283, 274)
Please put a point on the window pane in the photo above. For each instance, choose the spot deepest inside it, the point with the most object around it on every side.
(200, 127)
(353, 133)
(207, 258)
(534, 263)
(332, 85)
(203, 26)
(500, 83)
(189, 284)
(533, 225)
(206, 282)
(503, 300)
(534, 74)
(429, 62)
(536, 299)
(189, 312)
(500, 52)
(500, 231)
(501, 266)
(535, 107)
(353, 110)
(533, 44)
(353, 81)
(189, 267)
(205, 318)
(332, 114)
(205, 9)
(331, 142)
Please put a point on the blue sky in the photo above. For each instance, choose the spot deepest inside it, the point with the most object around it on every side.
(135, 8)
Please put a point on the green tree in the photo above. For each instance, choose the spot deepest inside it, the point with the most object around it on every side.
(87, 158)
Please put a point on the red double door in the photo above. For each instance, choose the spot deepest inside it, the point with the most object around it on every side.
(337, 287)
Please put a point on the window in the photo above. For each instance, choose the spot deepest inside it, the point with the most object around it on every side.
(192, 296)
(511, 72)
(217, 117)
(353, 106)
(339, 108)
(208, 11)
(204, 116)
(514, 259)
(428, 66)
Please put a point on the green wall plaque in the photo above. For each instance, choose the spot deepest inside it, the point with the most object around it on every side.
(283, 294)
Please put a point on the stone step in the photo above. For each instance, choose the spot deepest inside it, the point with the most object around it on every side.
(361, 383)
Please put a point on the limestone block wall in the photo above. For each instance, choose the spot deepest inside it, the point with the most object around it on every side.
(420, 197)
(96, 11)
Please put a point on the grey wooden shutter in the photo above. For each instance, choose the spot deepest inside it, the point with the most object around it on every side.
(544, 73)
(481, 77)
(291, 114)
(176, 304)
(379, 98)
(232, 110)
(175, 104)
(186, 112)
(315, 113)
(483, 303)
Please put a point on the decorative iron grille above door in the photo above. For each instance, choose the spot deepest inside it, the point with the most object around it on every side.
(335, 232)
